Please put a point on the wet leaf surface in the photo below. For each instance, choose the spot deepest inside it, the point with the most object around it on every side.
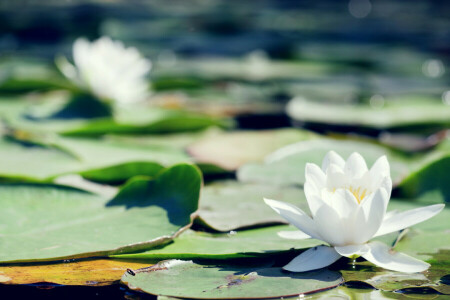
(225, 205)
(100, 160)
(86, 272)
(58, 222)
(261, 242)
(227, 282)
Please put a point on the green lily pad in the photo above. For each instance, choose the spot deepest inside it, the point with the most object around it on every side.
(59, 113)
(431, 175)
(169, 278)
(248, 243)
(100, 160)
(231, 150)
(175, 140)
(122, 172)
(225, 205)
(113, 161)
(42, 161)
(394, 114)
(19, 75)
(44, 222)
(286, 166)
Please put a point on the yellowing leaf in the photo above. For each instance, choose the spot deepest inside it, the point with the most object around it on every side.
(88, 272)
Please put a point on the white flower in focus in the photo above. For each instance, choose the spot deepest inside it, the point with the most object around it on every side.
(348, 207)
(108, 70)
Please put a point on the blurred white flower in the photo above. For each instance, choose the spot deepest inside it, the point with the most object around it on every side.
(108, 70)
(348, 207)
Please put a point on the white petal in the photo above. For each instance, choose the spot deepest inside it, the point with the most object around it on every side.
(344, 203)
(355, 166)
(380, 168)
(336, 178)
(408, 218)
(312, 259)
(381, 255)
(314, 175)
(386, 183)
(81, 49)
(313, 197)
(374, 208)
(390, 214)
(329, 226)
(350, 250)
(332, 158)
(295, 216)
(293, 235)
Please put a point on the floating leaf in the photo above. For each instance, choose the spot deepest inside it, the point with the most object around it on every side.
(427, 112)
(431, 175)
(231, 150)
(248, 243)
(141, 119)
(112, 161)
(169, 278)
(43, 222)
(42, 161)
(100, 160)
(286, 165)
(97, 272)
(225, 205)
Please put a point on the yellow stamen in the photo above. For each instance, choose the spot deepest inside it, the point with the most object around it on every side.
(359, 195)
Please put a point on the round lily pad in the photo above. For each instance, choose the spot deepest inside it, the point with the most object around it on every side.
(186, 279)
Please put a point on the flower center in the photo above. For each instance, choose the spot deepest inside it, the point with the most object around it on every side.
(359, 193)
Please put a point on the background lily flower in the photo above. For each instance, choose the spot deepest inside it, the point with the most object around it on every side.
(348, 205)
(108, 70)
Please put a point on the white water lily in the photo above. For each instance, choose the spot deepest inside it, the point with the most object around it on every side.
(348, 207)
(108, 70)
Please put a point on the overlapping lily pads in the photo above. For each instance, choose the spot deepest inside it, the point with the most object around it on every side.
(286, 166)
(231, 150)
(230, 205)
(48, 115)
(43, 222)
(262, 242)
(226, 282)
(96, 159)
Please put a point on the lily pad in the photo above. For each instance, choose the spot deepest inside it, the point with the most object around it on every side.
(431, 175)
(100, 160)
(44, 222)
(50, 113)
(110, 161)
(99, 272)
(286, 165)
(261, 242)
(225, 205)
(169, 278)
(42, 161)
(231, 150)
(394, 114)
